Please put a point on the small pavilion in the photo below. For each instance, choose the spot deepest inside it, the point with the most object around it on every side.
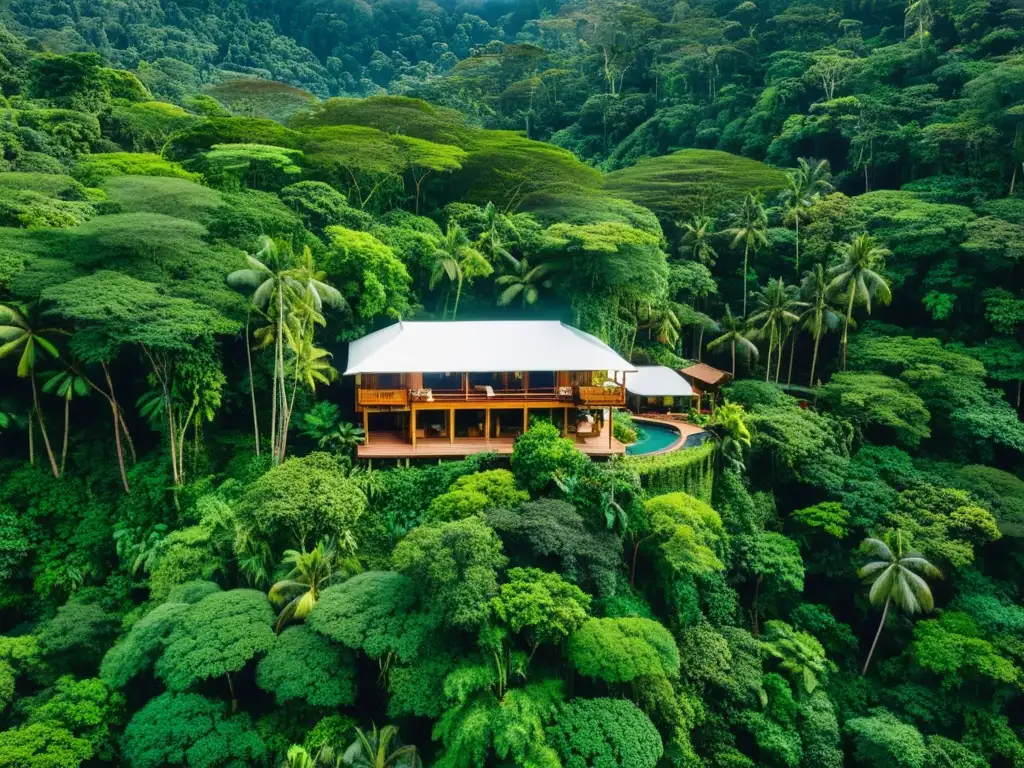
(658, 389)
(706, 380)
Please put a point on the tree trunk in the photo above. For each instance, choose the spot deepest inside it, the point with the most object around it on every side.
(31, 439)
(64, 447)
(115, 411)
(42, 426)
(1013, 179)
(814, 359)
(700, 346)
(768, 365)
(746, 251)
(231, 687)
(792, 354)
(885, 612)
(252, 386)
(734, 360)
(846, 326)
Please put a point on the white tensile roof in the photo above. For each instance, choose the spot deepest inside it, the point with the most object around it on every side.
(657, 381)
(481, 346)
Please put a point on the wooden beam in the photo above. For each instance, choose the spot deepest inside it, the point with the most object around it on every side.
(366, 427)
(565, 421)
(611, 425)
(526, 419)
(451, 426)
(487, 423)
(465, 384)
(412, 426)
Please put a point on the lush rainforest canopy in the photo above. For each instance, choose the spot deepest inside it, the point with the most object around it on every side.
(203, 201)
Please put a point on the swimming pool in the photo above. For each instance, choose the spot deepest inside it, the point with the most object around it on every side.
(655, 437)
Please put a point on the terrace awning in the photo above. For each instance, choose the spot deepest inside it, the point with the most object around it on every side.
(657, 381)
(706, 376)
(480, 347)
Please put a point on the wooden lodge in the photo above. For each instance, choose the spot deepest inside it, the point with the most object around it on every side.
(436, 389)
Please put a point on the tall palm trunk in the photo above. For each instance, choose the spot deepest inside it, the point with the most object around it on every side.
(252, 385)
(746, 252)
(885, 612)
(42, 426)
(458, 295)
(734, 360)
(814, 358)
(792, 354)
(768, 364)
(846, 326)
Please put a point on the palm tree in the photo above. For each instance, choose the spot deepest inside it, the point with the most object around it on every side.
(896, 578)
(311, 572)
(855, 277)
(448, 264)
(697, 234)
(380, 749)
(524, 281)
(775, 313)
(267, 273)
(490, 242)
(819, 317)
(66, 384)
(18, 332)
(807, 182)
(733, 334)
(660, 321)
(325, 757)
(749, 227)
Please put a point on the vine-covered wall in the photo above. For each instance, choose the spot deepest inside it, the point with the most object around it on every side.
(691, 470)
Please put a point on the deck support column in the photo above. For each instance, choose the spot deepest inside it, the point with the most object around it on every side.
(611, 425)
(412, 426)
(526, 419)
(451, 427)
(487, 424)
(565, 421)
(366, 427)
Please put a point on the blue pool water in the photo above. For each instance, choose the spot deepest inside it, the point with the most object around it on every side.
(654, 437)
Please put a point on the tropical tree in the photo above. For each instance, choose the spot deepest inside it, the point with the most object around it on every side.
(807, 182)
(729, 429)
(380, 749)
(456, 260)
(490, 242)
(896, 577)
(697, 234)
(299, 591)
(819, 317)
(775, 314)
(525, 281)
(20, 333)
(734, 334)
(267, 274)
(856, 279)
(749, 228)
(66, 385)
(660, 321)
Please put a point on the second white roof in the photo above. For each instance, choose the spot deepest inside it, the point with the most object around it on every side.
(657, 381)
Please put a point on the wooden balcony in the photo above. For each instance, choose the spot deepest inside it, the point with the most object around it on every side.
(600, 396)
(383, 397)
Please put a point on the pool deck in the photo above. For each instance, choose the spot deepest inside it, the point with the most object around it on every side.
(685, 430)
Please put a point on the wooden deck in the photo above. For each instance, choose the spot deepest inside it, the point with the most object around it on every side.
(393, 445)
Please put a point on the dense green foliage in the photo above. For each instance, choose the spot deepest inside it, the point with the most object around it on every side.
(202, 202)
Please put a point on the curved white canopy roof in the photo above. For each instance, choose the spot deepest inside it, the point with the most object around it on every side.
(657, 381)
(481, 346)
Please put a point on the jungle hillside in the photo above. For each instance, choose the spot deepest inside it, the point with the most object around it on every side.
(202, 202)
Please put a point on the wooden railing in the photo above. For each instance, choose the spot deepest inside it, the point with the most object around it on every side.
(601, 395)
(396, 397)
